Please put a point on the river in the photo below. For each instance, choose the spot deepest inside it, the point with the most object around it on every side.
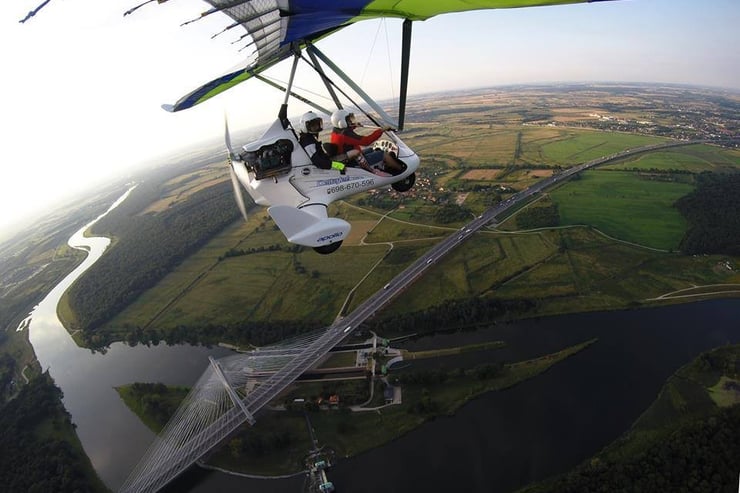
(112, 436)
(504, 440)
(497, 442)
(501, 441)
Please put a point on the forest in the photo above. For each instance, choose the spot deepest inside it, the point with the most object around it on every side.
(700, 457)
(684, 442)
(538, 217)
(241, 334)
(7, 370)
(713, 213)
(467, 314)
(154, 244)
(155, 403)
(36, 454)
(464, 314)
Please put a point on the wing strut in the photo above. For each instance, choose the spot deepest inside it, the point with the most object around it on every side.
(325, 79)
(405, 55)
(283, 113)
(387, 118)
(277, 86)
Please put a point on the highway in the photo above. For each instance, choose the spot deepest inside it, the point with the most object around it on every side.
(159, 467)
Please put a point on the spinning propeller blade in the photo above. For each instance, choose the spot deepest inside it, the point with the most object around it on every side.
(237, 191)
(234, 180)
(227, 139)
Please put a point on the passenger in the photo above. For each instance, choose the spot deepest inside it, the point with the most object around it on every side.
(309, 128)
(345, 138)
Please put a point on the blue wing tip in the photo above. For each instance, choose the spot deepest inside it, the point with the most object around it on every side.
(169, 108)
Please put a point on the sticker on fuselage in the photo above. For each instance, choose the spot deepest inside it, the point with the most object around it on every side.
(331, 236)
(336, 180)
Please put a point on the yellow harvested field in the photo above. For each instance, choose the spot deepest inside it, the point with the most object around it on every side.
(539, 134)
(481, 174)
(182, 194)
(358, 231)
(567, 115)
(540, 173)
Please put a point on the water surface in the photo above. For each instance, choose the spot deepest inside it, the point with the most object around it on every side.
(112, 436)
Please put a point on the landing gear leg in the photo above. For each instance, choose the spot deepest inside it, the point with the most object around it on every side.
(392, 164)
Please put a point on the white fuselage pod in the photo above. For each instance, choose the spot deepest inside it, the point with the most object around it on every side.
(309, 190)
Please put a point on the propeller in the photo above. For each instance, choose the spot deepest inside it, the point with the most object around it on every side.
(234, 180)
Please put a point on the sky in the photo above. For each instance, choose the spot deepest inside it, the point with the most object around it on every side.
(83, 85)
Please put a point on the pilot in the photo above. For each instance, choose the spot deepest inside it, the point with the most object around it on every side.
(309, 128)
(345, 138)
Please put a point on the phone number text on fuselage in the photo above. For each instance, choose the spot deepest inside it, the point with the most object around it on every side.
(354, 185)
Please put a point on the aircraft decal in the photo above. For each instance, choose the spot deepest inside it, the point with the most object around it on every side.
(336, 181)
(332, 236)
(353, 185)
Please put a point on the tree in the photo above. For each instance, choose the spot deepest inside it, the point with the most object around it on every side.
(236, 445)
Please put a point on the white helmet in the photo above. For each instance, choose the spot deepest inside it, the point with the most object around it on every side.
(341, 118)
(311, 123)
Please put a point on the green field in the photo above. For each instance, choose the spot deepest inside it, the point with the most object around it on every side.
(625, 206)
(408, 224)
(269, 285)
(565, 270)
(570, 147)
(472, 145)
(695, 159)
(497, 145)
(590, 272)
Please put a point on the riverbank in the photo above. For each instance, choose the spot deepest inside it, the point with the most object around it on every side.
(68, 319)
(48, 265)
(41, 451)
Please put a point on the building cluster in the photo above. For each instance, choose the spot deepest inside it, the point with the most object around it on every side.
(673, 114)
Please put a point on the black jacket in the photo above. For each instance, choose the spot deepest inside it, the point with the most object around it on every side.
(315, 150)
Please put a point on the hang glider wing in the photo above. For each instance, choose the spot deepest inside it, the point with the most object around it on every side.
(275, 27)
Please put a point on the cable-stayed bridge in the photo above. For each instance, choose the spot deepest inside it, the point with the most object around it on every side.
(228, 394)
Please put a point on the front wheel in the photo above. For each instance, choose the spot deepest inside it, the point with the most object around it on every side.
(327, 249)
(405, 184)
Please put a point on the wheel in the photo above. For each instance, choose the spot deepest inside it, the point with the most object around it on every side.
(405, 184)
(327, 249)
